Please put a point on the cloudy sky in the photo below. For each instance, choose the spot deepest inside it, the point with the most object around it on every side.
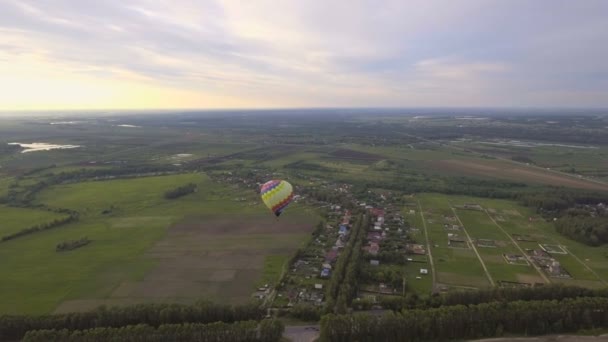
(79, 54)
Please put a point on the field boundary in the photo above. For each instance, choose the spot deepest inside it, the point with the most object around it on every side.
(428, 247)
(464, 229)
(538, 270)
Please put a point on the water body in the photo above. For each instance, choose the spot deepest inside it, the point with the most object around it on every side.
(37, 146)
(129, 126)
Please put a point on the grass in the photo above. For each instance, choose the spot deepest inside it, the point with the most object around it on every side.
(39, 280)
(459, 266)
(13, 220)
(273, 268)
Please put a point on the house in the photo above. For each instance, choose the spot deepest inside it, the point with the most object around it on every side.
(377, 212)
(424, 271)
(374, 237)
(415, 249)
(339, 243)
(343, 230)
(318, 286)
(331, 256)
(326, 265)
(555, 268)
(374, 262)
(325, 273)
(373, 248)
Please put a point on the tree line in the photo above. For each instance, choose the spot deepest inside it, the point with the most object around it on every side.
(242, 331)
(470, 322)
(574, 221)
(40, 227)
(342, 285)
(497, 294)
(181, 191)
(72, 244)
(14, 327)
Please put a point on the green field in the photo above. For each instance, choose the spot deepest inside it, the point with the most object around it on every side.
(13, 220)
(125, 240)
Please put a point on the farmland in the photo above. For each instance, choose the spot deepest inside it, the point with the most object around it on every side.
(447, 210)
(491, 229)
(137, 236)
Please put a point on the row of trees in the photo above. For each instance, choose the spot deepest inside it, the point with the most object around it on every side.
(39, 227)
(350, 284)
(72, 244)
(341, 285)
(470, 322)
(180, 191)
(498, 294)
(592, 231)
(14, 327)
(244, 331)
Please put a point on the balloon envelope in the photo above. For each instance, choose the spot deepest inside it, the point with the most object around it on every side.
(277, 194)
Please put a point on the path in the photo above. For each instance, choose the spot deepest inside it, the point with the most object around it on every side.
(428, 247)
(540, 272)
(485, 269)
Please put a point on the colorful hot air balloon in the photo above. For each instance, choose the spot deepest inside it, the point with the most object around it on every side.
(277, 194)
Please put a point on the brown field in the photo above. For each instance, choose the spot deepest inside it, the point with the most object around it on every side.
(513, 172)
(355, 155)
(214, 259)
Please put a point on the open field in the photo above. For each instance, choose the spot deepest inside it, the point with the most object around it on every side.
(513, 172)
(13, 220)
(125, 256)
(214, 258)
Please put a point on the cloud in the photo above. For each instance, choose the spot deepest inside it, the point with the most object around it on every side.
(267, 53)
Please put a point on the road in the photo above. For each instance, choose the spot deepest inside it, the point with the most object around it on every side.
(301, 333)
(540, 272)
(464, 229)
(428, 247)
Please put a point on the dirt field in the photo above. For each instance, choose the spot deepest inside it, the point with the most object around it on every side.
(215, 259)
(512, 172)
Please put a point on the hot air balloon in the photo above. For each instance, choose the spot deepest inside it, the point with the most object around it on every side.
(277, 194)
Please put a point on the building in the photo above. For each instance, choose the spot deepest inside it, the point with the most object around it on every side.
(325, 273)
(424, 271)
(374, 236)
(331, 256)
(343, 230)
(374, 262)
(373, 248)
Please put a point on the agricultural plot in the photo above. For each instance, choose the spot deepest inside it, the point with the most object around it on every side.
(454, 266)
(215, 258)
(417, 282)
(200, 241)
(586, 265)
(500, 243)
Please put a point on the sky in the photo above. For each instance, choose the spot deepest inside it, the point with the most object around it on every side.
(208, 54)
